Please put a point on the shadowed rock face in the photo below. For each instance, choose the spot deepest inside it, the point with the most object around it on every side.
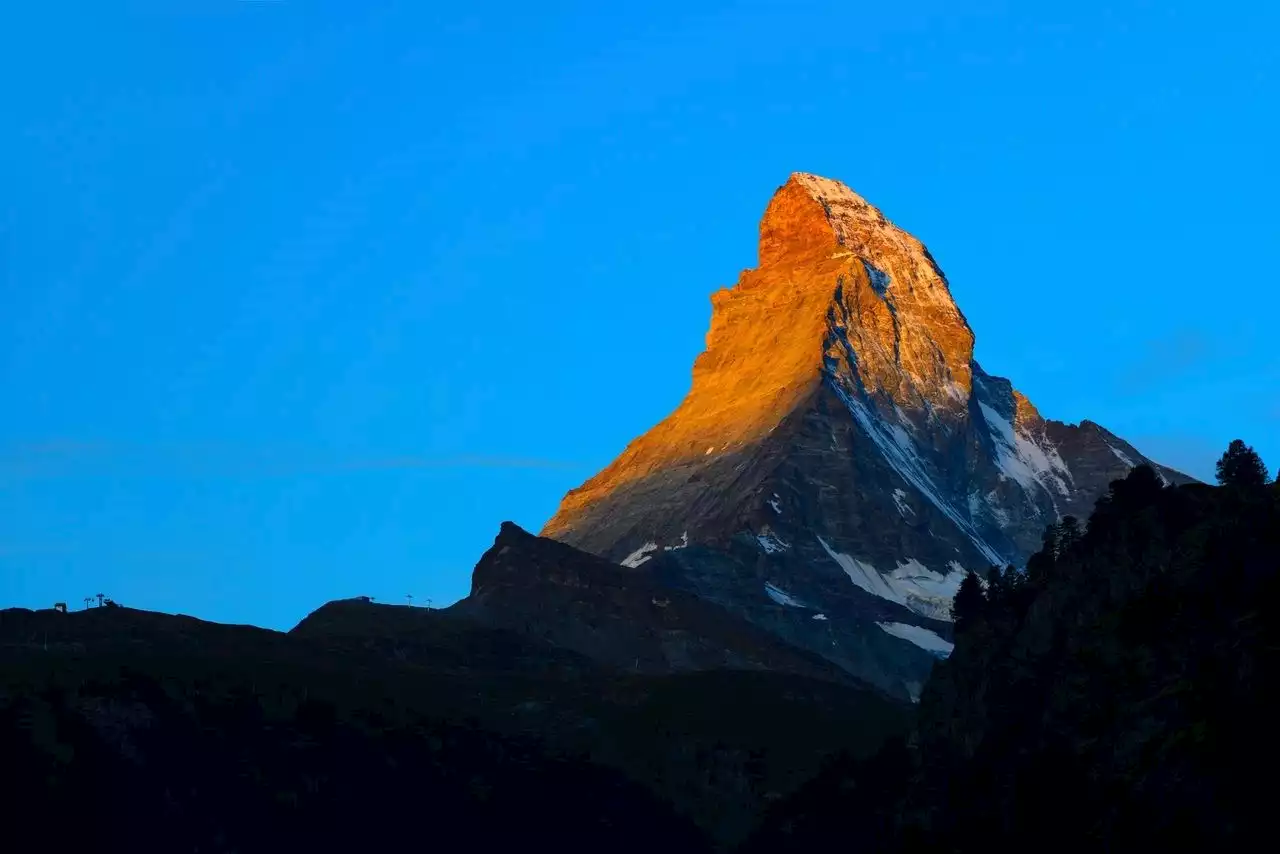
(623, 618)
(840, 444)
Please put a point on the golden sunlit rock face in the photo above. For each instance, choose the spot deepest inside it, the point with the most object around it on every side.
(841, 460)
(769, 335)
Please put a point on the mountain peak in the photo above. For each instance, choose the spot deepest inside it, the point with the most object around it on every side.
(812, 214)
(825, 187)
(912, 342)
(840, 291)
(797, 222)
(836, 195)
(840, 459)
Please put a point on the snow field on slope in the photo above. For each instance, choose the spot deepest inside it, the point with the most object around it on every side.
(911, 584)
(924, 638)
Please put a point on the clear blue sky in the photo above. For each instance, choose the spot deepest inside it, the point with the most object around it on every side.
(299, 300)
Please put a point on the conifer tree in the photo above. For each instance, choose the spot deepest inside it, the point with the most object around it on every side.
(1241, 466)
(970, 601)
(1069, 534)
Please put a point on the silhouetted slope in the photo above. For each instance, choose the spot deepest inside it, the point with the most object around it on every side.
(1118, 695)
(373, 726)
(123, 737)
(445, 640)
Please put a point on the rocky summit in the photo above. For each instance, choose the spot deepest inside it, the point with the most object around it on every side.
(841, 459)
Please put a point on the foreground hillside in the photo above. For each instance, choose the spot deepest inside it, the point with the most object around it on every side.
(1118, 694)
(371, 727)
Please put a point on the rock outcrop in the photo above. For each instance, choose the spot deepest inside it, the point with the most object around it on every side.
(841, 460)
(623, 618)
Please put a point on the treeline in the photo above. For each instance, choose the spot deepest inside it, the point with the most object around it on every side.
(145, 764)
(1112, 694)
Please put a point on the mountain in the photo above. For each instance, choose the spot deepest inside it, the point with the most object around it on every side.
(841, 460)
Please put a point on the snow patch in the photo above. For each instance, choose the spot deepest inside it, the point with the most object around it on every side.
(863, 574)
(903, 438)
(771, 543)
(782, 597)
(928, 641)
(1122, 456)
(1024, 460)
(640, 555)
(924, 591)
(900, 499)
(773, 502)
(911, 584)
(913, 690)
(826, 190)
(820, 617)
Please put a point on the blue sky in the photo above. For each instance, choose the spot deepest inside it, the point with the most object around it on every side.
(299, 300)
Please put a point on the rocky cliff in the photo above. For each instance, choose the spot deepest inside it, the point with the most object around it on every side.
(841, 459)
(621, 617)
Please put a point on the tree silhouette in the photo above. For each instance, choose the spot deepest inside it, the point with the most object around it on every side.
(1241, 466)
(994, 587)
(969, 601)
